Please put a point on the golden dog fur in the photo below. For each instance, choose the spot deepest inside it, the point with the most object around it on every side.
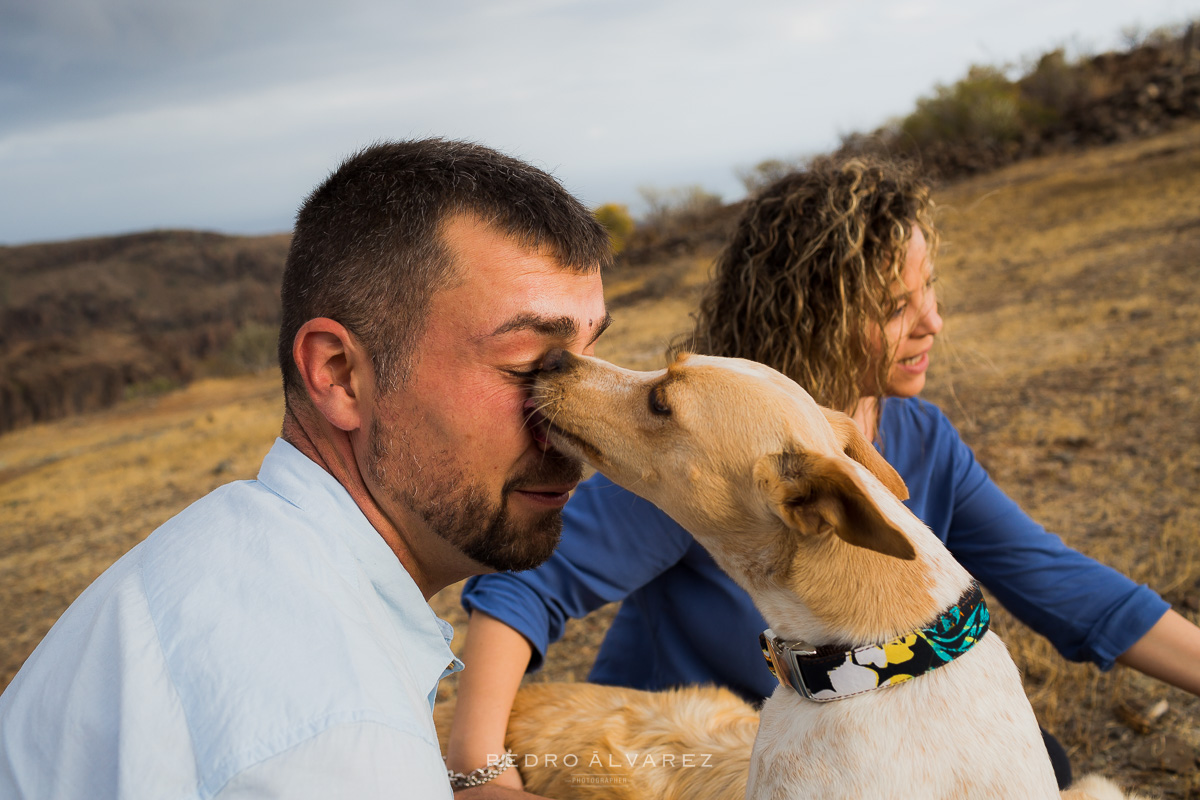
(612, 742)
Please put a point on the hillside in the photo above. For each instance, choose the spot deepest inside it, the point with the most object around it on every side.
(1072, 300)
(987, 119)
(85, 323)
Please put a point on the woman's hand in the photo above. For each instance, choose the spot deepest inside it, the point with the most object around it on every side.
(494, 657)
(1169, 651)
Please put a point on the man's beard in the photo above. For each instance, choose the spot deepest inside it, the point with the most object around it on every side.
(459, 511)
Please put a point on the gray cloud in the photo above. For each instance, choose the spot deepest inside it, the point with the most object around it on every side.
(71, 59)
(127, 114)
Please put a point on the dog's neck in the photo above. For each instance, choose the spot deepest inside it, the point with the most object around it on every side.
(834, 593)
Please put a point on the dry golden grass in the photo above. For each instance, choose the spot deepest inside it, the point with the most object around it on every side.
(1074, 338)
(1072, 290)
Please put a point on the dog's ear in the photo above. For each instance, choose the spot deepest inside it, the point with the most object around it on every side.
(855, 445)
(815, 494)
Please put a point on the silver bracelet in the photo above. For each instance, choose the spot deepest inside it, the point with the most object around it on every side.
(478, 777)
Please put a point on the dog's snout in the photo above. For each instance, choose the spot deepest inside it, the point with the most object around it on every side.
(557, 361)
(553, 361)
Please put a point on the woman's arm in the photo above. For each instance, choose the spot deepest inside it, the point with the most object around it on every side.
(495, 657)
(1169, 651)
(1088, 610)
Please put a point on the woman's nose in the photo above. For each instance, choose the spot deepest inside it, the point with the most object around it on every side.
(930, 322)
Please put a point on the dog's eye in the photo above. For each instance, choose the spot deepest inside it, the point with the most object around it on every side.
(658, 403)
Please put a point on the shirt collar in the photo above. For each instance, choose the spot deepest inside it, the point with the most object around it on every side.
(302, 482)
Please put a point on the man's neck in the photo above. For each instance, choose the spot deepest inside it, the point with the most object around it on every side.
(418, 550)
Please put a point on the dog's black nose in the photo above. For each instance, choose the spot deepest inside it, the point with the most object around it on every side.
(554, 360)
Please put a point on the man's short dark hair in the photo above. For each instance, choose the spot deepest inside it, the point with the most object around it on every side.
(367, 250)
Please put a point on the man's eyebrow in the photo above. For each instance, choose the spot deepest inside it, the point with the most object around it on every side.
(558, 327)
(604, 323)
(562, 327)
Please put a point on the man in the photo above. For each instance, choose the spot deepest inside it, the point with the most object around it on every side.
(274, 639)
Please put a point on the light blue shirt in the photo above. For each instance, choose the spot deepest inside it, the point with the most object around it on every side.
(265, 642)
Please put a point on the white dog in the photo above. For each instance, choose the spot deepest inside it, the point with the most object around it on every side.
(891, 685)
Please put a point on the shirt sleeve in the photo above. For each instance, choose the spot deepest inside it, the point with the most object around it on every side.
(613, 543)
(1088, 611)
(363, 760)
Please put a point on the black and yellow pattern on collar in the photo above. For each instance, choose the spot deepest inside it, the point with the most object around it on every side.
(822, 675)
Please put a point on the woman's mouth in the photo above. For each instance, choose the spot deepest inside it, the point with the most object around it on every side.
(916, 363)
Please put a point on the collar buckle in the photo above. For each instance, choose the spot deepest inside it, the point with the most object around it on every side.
(781, 656)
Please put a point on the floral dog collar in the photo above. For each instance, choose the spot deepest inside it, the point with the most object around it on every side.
(834, 673)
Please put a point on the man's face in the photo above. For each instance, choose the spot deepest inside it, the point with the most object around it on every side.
(450, 447)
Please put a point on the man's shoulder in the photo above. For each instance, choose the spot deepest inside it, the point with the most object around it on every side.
(232, 527)
(246, 573)
(248, 624)
(265, 628)
(275, 632)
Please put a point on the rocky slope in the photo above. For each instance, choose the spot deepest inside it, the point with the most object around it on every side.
(85, 323)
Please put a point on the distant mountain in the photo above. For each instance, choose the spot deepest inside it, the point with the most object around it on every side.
(85, 323)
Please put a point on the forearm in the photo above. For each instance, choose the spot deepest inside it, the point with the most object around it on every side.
(495, 657)
(1169, 651)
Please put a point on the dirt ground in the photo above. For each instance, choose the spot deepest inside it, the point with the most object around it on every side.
(1071, 289)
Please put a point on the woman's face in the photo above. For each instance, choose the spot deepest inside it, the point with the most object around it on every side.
(906, 338)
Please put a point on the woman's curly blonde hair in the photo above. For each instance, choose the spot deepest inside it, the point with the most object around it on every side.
(810, 269)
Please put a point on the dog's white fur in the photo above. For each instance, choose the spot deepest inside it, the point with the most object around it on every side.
(801, 511)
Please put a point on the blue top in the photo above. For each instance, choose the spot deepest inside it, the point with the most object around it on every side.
(265, 642)
(683, 621)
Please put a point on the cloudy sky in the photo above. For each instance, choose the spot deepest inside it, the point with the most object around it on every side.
(124, 115)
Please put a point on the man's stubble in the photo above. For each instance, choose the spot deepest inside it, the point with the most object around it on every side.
(458, 509)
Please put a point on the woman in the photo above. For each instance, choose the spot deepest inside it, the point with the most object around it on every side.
(828, 278)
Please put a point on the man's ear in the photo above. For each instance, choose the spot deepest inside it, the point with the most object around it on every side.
(855, 445)
(335, 369)
(814, 494)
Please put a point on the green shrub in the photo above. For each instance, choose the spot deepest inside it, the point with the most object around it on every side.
(985, 106)
(1054, 87)
(617, 220)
